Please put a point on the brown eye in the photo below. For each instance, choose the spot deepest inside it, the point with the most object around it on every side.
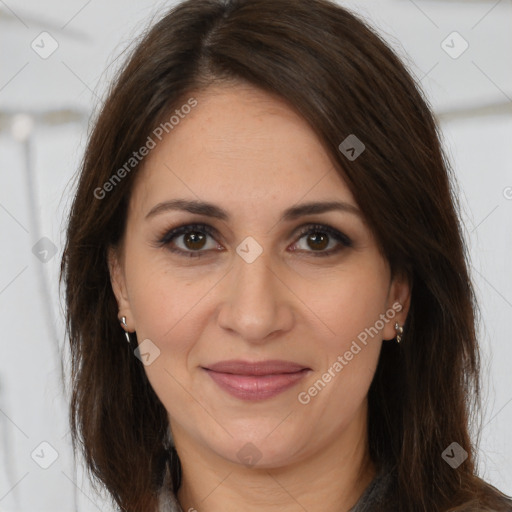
(317, 241)
(189, 240)
(194, 240)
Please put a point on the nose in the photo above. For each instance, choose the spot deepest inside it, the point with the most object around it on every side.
(257, 302)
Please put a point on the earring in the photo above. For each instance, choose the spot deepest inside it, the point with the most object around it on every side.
(126, 333)
(399, 332)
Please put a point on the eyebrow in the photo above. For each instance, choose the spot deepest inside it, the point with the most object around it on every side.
(212, 210)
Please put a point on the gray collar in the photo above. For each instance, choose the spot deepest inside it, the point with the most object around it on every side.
(372, 497)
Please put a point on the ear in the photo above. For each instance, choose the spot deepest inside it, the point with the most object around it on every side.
(399, 301)
(118, 282)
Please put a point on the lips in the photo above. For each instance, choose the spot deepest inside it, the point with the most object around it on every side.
(268, 367)
(256, 380)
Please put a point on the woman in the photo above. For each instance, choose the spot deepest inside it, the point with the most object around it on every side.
(268, 300)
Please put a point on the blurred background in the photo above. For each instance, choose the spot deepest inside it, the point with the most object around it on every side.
(56, 59)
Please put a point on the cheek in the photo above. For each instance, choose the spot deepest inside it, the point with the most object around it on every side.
(168, 309)
(163, 297)
(350, 300)
(352, 306)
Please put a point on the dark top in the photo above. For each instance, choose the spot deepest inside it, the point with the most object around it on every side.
(373, 494)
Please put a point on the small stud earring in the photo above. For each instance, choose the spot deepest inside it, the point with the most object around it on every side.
(399, 332)
(126, 333)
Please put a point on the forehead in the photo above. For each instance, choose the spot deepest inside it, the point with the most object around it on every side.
(243, 148)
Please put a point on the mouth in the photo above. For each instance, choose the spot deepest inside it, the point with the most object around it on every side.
(256, 380)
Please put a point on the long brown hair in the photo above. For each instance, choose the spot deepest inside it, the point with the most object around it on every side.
(343, 79)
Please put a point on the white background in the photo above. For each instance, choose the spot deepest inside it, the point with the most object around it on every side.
(471, 94)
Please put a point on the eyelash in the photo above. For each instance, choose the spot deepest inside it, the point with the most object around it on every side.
(169, 236)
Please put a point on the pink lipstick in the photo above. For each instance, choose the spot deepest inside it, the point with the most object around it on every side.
(256, 380)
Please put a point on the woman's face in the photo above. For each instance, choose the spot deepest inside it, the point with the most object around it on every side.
(253, 285)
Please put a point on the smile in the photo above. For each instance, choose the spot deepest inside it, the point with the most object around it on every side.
(256, 387)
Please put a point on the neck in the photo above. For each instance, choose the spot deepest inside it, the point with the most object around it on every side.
(331, 477)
